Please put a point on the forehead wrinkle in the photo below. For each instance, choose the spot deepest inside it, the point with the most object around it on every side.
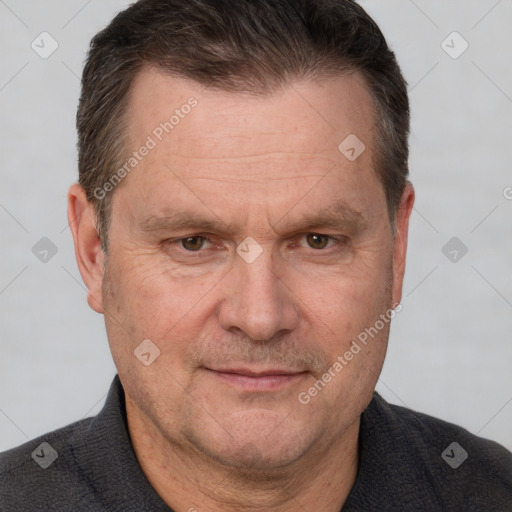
(249, 180)
(251, 167)
(277, 155)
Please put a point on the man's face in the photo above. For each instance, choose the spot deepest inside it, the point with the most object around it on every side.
(244, 335)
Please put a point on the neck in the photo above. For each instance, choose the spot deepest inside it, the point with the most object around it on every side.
(189, 481)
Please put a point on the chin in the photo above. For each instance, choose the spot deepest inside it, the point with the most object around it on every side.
(256, 441)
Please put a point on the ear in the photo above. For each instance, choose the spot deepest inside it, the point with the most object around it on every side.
(402, 216)
(89, 256)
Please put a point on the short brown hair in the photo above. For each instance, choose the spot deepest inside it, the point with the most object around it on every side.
(236, 45)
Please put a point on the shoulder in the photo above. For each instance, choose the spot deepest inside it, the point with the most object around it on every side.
(424, 432)
(436, 462)
(42, 473)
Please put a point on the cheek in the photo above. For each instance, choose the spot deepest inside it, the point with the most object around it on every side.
(345, 301)
(148, 294)
(147, 302)
(349, 310)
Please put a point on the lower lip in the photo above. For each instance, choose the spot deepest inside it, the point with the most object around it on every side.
(263, 383)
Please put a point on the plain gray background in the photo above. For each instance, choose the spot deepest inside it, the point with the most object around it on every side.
(450, 351)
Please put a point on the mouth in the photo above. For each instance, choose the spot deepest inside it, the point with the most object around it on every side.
(247, 379)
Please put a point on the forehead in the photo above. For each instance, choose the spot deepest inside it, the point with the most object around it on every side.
(302, 117)
(223, 150)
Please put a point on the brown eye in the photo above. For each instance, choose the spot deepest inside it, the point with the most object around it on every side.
(193, 243)
(316, 241)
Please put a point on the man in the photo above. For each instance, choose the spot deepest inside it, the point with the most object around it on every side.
(241, 222)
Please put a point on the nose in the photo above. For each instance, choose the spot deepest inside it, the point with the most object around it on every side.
(257, 301)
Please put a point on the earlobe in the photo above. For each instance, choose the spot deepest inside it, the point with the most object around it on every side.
(402, 217)
(88, 252)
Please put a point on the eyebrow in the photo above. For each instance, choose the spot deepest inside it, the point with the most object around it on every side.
(339, 216)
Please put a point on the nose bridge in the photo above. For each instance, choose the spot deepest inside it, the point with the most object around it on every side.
(256, 301)
(260, 278)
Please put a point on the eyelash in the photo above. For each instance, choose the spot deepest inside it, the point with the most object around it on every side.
(337, 241)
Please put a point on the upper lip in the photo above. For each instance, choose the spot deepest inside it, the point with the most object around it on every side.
(257, 373)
